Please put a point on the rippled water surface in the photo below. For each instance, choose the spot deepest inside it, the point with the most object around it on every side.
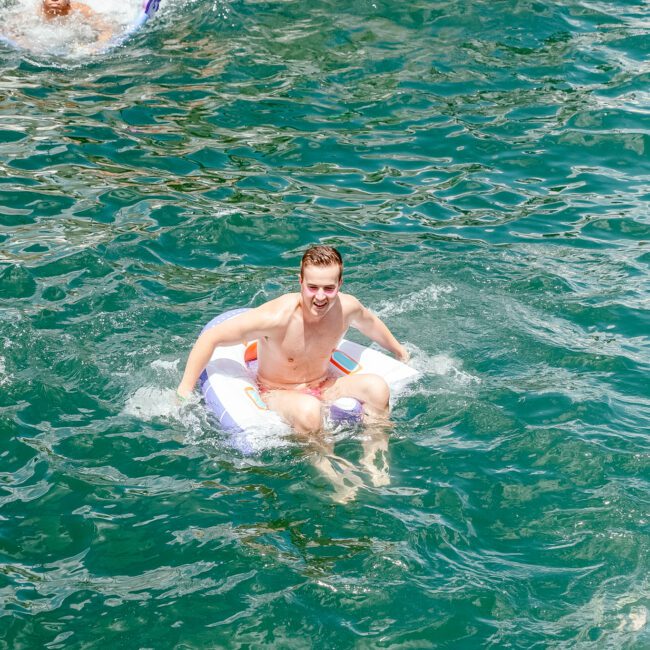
(484, 168)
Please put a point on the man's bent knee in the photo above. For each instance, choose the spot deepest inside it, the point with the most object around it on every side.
(302, 412)
(371, 390)
(307, 417)
(376, 391)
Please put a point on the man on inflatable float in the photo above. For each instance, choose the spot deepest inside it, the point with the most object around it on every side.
(296, 335)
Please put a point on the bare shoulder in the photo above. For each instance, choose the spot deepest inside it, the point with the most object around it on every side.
(350, 305)
(82, 8)
(255, 323)
(277, 312)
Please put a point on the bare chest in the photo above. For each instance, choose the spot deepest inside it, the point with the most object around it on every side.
(302, 343)
(301, 353)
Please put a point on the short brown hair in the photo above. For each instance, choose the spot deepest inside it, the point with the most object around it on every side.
(321, 256)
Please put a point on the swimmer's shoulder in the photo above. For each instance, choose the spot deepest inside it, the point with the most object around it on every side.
(83, 9)
(279, 311)
(349, 304)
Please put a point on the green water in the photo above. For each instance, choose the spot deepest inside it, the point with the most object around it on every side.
(484, 169)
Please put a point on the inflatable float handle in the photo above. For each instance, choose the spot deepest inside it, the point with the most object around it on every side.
(346, 409)
(150, 7)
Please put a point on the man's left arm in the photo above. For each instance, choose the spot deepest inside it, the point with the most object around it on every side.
(374, 328)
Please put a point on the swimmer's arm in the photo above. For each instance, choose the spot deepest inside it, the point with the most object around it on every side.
(16, 37)
(11, 30)
(241, 329)
(103, 29)
(375, 329)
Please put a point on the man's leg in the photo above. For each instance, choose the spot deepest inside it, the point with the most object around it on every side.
(371, 390)
(375, 454)
(304, 414)
(374, 394)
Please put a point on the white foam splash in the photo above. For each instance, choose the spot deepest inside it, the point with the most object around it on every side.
(71, 37)
(165, 366)
(441, 365)
(272, 435)
(413, 301)
(4, 377)
(152, 402)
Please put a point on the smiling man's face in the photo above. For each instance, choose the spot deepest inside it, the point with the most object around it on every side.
(319, 287)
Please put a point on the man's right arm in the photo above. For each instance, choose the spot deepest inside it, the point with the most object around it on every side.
(240, 329)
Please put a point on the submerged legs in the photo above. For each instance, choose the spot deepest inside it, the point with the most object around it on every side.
(305, 415)
(342, 474)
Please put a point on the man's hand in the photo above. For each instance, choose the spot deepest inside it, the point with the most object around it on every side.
(403, 354)
(183, 394)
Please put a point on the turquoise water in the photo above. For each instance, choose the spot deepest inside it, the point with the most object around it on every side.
(484, 169)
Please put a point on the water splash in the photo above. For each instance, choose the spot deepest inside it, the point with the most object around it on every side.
(440, 365)
(412, 302)
(151, 402)
(71, 37)
(4, 376)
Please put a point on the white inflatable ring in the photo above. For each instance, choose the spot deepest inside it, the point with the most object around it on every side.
(230, 388)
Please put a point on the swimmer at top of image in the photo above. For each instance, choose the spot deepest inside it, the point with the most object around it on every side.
(52, 25)
(55, 9)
